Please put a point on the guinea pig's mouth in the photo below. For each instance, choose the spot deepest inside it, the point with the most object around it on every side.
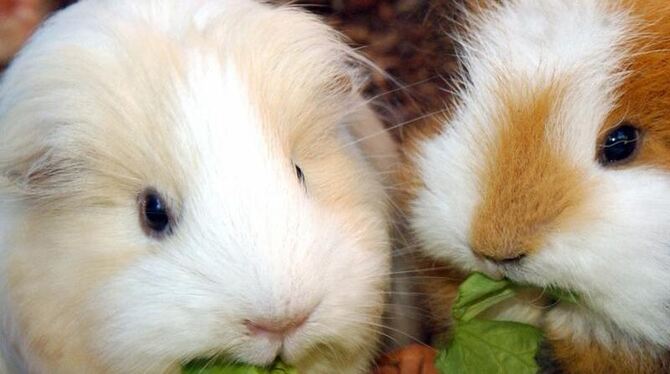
(513, 271)
(261, 350)
(510, 269)
(263, 359)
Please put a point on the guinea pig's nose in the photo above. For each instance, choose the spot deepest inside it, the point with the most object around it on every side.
(506, 259)
(276, 327)
(503, 253)
(501, 257)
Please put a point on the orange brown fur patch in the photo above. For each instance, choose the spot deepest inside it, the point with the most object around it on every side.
(576, 357)
(439, 283)
(529, 187)
(413, 359)
(645, 93)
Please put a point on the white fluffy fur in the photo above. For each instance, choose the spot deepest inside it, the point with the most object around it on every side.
(210, 102)
(618, 258)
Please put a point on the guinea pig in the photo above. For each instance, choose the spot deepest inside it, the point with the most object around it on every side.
(188, 179)
(552, 169)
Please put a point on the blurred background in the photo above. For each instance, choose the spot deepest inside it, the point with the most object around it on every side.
(408, 39)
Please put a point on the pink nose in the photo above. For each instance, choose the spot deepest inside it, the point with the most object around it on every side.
(275, 327)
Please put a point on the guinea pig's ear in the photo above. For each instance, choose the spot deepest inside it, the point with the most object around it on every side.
(375, 142)
(21, 168)
(29, 167)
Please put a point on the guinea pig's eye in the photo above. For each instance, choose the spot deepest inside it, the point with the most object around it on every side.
(620, 144)
(299, 174)
(154, 213)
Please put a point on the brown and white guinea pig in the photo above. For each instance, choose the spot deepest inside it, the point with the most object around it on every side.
(553, 169)
(184, 179)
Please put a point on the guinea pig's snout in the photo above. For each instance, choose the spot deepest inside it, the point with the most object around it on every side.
(276, 328)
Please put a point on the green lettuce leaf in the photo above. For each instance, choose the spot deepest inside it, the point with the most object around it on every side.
(491, 347)
(486, 346)
(478, 293)
(204, 366)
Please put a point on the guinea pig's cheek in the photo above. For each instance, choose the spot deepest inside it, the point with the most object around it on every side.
(155, 313)
(441, 212)
(443, 232)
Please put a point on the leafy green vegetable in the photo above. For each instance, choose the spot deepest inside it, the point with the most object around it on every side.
(479, 293)
(203, 366)
(491, 347)
(485, 346)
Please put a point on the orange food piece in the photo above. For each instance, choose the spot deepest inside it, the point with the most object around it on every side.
(413, 359)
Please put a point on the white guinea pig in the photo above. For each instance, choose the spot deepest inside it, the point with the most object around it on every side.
(553, 170)
(184, 179)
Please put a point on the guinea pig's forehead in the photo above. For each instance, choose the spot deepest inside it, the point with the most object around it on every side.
(227, 94)
(531, 115)
(211, 79)
(524, 49)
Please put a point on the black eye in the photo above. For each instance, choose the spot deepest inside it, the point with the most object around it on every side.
(299, 174)
(154, 213)
(620, 144)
